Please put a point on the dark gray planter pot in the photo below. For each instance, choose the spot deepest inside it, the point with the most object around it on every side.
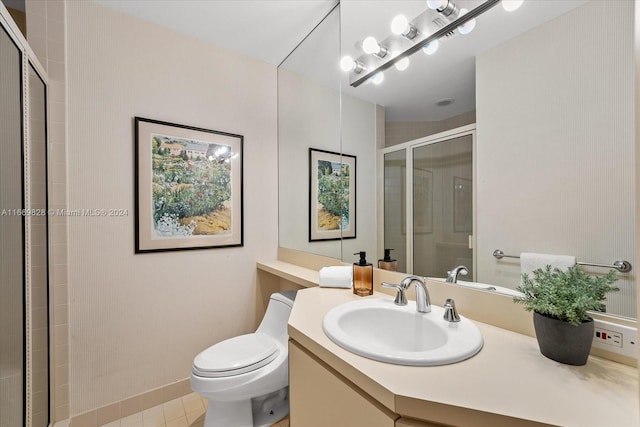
(562, 341)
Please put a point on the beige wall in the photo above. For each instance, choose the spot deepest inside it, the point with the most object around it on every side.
(399, 132)
(137, 321)
(555, 147)
(46, 36)
(37, 239)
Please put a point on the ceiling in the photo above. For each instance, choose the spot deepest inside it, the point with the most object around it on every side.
(270, 30)
(267, 30)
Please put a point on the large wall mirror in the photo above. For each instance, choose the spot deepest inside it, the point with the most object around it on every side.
(537, 103)
(315, 114)
(308, 117)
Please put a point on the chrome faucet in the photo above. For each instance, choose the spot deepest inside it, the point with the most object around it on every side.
(453, 274)
(423, 301)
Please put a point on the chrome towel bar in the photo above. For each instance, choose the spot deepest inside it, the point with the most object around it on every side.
(621, 266)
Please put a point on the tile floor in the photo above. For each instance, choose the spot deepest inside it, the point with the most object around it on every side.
(186, 411)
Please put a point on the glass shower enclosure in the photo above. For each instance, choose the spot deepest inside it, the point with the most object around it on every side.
(24, 235)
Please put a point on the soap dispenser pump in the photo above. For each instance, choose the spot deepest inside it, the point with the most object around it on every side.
(362, 276)
(387, 263)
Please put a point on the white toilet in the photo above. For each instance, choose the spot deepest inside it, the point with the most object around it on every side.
(246, 378)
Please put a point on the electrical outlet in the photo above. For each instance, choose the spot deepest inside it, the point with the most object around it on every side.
(616, 338)
(606, 336)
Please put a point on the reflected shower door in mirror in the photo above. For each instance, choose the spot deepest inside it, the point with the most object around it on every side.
(395, 189)
(308, 117)
(430, 220)
(442, 206)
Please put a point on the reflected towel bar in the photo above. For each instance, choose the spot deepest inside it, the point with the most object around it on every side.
(621, 266)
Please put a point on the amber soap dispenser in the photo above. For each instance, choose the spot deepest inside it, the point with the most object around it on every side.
(387, 263)
(362, 276)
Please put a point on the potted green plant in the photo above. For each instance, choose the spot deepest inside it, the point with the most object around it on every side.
(560, 301)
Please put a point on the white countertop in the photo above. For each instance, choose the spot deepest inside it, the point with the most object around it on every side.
(299, 275)
(508, 383)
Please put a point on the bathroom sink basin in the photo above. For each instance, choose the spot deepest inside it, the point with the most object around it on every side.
(380, 330)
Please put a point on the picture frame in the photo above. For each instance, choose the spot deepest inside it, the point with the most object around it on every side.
(188, 187)
(332, 195)
(422, 201)
(462, 205)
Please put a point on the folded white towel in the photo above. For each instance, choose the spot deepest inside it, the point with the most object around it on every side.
(531, 261)
(336, 277)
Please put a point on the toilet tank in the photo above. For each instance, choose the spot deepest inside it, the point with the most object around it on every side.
(274, 322)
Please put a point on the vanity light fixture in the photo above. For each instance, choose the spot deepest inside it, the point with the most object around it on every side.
(445, 7)
(401, 64)
(400, 26)
(347, 63)
(467, 27)
(431, 47)
(377, 78)
(419, 33)
(511, 5)
(371, 46)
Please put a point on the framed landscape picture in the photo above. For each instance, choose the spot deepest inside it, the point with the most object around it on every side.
(332, 195)
(188, 187)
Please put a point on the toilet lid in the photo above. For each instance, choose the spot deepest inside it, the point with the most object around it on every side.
(235, 356)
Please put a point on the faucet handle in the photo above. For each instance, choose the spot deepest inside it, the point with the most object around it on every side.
(450, 312)
(401, 297)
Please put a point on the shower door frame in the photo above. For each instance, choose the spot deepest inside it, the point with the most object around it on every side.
(29, 59)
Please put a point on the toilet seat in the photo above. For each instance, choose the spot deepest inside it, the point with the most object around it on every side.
(235, 356)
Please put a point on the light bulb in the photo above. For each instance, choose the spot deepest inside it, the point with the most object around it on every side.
(377, 78)
(347, 63)
(370, 45)
(400, 25)
(437, 4)
(431, 47)
(468, 26)
(511, 5)
(402, 64)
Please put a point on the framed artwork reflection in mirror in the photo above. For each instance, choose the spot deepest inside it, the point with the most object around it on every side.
(332, 195)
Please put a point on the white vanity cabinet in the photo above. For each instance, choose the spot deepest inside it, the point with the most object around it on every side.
(320, 397)
(402, 422)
